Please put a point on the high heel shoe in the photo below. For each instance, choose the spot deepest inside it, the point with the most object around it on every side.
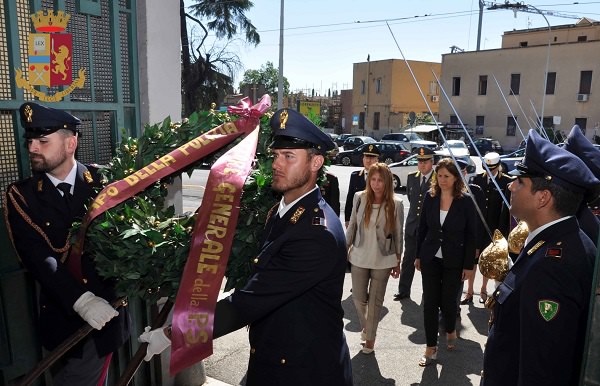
(368, 350)
(483, 297)
(468, 299)
(426, 360)
(451, 341)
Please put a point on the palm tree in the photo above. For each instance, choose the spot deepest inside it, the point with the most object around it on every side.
(203, 80)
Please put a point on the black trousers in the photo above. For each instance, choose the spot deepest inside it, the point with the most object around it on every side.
(408, 264)
(440, 286)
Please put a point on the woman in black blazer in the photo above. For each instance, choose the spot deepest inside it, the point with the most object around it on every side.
(445, 252)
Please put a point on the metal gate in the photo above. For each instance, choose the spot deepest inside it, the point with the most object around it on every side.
(105, 44)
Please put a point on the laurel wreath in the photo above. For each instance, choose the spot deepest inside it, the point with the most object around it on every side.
(142, 245)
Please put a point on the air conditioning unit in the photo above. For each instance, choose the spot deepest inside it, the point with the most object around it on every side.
(582, 97)
(435, 98)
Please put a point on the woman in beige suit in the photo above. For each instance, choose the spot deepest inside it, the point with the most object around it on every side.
(374, 239)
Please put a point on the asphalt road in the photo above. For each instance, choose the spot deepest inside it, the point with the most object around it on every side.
(400, 340)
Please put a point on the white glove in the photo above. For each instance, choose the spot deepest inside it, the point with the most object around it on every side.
(94, 310)
(157, 341)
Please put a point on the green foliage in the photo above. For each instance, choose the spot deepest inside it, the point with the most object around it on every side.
(142, 245)
(267, 75)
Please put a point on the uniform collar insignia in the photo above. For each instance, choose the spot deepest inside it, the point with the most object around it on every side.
(270, 213)
(88, 177)
(548, 309)
(535, 247)
(296, 216)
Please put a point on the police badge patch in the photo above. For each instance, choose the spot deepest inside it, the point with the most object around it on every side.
(548, 309)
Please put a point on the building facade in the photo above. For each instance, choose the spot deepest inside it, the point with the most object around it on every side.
(502, 93)
(384, 94)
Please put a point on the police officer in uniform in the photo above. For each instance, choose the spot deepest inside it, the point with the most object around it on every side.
(494, 211)
(330, 190)
(417, 184)
(292, 301)
(540, 311)
(39, 212)
(589, 213)
(358, 178)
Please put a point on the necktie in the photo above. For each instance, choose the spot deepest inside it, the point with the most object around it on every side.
(66, 189)
(423, 182)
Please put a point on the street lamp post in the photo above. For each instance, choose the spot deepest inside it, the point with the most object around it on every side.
(365, 106)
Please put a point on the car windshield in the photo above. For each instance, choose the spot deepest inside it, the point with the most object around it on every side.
(415, 137)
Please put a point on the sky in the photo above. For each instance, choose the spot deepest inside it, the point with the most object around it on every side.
(323, 38)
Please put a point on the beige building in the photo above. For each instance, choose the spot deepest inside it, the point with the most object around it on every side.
(384, 94)
(566, 97)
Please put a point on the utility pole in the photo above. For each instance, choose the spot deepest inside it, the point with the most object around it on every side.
(280, 77)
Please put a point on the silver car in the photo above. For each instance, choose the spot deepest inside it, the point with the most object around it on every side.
(400, 170)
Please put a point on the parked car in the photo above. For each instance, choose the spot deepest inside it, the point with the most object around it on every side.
(332, 154)
(340, 139)
(355, 141)
(458, 147)
(509, 161)
(413, 139)
(390, 152)
(485, 145)
(400, 170)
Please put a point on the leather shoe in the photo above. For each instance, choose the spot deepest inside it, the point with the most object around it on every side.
(400, 296)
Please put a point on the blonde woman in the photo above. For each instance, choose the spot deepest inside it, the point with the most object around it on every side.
(374, 239)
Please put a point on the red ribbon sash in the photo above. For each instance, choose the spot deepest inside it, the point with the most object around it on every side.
(193, 315)
(188, 153)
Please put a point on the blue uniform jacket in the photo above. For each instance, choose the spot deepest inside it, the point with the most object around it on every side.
(38, 224)
(357, 184)
(292, 301)
(541, 311)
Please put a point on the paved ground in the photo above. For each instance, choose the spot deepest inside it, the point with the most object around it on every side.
(400, 344)
(400, 340)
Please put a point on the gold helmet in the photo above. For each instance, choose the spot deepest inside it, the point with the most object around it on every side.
(493, 261)
(517, 237)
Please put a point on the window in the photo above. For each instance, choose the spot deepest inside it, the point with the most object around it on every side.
(523, 44)
(548, 122)
(515, 84)
(550, 83)
(453, 119)
(511, 126)
(582, 123)
(376, 120)
(378, 86)
(362, 87)
(361, 120)
(582, 38)
(479, 124)
(456, 86)
(482, 85)
(585, 82)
